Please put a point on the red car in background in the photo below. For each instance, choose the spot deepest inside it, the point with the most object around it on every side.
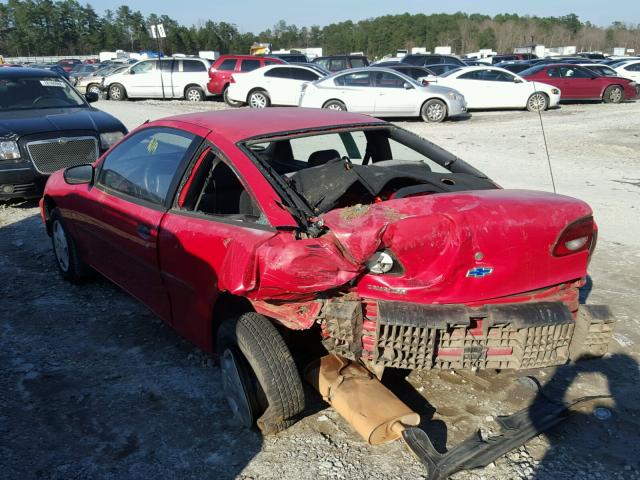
(68, 64)
(580, 83)
(220, 73)
(383, 246)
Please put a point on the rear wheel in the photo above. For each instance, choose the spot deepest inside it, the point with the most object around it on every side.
(335, 105)
(613, 94)
(227, 100)
(259, 99)
(70, 266)
(433, 111)
(194, 94)
(537, 102)
(260, 378)
(117, 92)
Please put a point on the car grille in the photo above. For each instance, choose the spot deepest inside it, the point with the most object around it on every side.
(56, 153)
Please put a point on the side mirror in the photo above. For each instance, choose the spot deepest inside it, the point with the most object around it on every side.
(92, 97)
(407, 86)
(79, 175)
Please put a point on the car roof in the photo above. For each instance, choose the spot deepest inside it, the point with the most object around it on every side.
(243, 123)
(22, 72)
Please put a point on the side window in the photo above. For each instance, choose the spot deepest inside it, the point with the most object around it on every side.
(192, 66)
(554, 72)
(278, 72)
(633, 68)
(249, 65)
(144, 67)
(357, 62)
(145, 164)
(323, 62)
(581, 73)
(359, 79)
(475, 75)
(227, 65)
(338, 64)
(304, 74)
(216, 190)
(167, 65)
(388, 80)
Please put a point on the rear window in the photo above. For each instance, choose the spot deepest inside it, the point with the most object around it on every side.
(228, 64)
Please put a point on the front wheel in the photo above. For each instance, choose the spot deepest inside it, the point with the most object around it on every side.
(259, 99)
(335, 105)
(70, 266)
(433, 111)
(260, 379)
(613, 94)
(228, 101)
(537, 102)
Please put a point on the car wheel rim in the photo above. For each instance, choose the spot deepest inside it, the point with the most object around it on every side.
(95, 90)
(615, 95)
(537, 102)
(234, 388)
(115, 93)
(258, 100)
(335, 106)
(60, 246)
(435, 111)
(193, 96)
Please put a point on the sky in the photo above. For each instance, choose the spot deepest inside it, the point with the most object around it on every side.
(258, 15)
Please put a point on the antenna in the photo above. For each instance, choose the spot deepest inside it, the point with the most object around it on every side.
(546, 147)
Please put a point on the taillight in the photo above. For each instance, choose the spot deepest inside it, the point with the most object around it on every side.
(576, 237)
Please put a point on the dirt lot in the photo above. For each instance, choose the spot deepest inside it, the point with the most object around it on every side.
(95, 387)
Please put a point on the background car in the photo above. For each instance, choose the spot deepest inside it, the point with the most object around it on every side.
(227, 65)
(514, 67)
(629, 69)
(272, 85)
(492, 87)
(46, 125)
(417, 73)
(79, 71)
(428, 60)
(94, 82)
(291, 57)
(600, 69)
(384, 93)
(68, 63)
(579, 83)
(161, 78)
(336, 63)
(442, 68)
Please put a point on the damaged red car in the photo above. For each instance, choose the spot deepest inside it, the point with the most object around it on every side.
(236, 226)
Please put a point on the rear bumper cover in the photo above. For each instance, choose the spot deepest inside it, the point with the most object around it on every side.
(498, 336)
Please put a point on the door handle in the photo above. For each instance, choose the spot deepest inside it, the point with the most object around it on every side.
(144, 231)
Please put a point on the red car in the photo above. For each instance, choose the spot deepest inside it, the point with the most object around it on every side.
(220, 73)
(67, 64)
(580, 83)
(387, 248)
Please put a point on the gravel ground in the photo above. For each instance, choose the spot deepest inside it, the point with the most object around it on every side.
(94, 386)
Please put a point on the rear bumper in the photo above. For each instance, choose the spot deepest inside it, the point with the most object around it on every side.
(500, 336)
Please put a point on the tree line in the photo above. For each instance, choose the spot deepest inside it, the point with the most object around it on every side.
(66, 27)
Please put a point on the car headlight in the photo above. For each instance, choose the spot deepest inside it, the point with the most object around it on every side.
(9, 150)
(452, 95)
(380, 262)
(555, 91)
(109, 139)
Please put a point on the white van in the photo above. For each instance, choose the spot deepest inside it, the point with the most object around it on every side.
(161, 78)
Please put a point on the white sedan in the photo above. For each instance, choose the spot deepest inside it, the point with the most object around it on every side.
(272, 85)
(493, 87)
(384, 93)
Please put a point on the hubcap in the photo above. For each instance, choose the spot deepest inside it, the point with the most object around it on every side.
(258, 100)
(616, 95)
(335, 106)
(95, 90)
(60, 246)
(115, 93)
(537, 102)
(235, 390)
(435, 111)
(193, 95)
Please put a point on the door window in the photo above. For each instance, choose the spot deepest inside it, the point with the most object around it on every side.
(573, 72)
(633, 68)
(144, 165)
(144, 67)
(192, 66)
(166, 65)
(279, 72)
(338, 64)
(227, 65)
(358, 79)
(388, 80)
(249, 65)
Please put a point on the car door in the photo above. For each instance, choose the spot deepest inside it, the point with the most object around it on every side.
(188, 72)
(301, 75)
(391, 96)
(282, 88)
(209, 237)
(505, 90)
(143, 80)
(580, 82)
(134, 184)
(472, 85)
(355, 90)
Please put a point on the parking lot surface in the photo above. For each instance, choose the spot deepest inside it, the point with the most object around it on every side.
(94, 386)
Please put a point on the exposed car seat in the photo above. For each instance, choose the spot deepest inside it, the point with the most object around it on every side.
(322, 156)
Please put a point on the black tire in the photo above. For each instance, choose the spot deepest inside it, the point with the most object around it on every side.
(613, 94)
(538, 102)
(335, 105)
(117, 92)
(433, 111)
(94, 87)
(227, 100)
(194, 94)
(71, 266)
(258, 99)
(267, 371)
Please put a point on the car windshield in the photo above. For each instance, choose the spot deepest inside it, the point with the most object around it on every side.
(24, 93)
(348, 167)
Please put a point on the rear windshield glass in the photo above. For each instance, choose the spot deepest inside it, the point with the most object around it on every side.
(37, 92)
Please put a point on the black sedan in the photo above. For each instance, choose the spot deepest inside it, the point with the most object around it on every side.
(46, 125)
